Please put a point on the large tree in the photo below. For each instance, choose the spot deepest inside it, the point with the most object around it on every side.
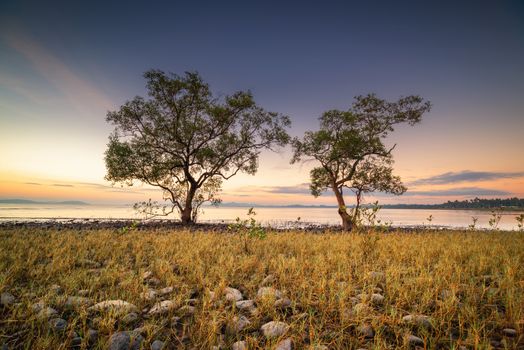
(350, 149)
(186, 141)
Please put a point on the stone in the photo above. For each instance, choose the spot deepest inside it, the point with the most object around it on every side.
(130, 318)
(377, 299)
(117, 306)
(233, 294)
(37, 307)
(239, 345)
(58, 324)
(245, 305)
(157, 345)
(274, 329)
(285, 344)
(237, 324)
(149, 295)
(269, 279)
(83, 292)
(92, 336)
(418, 320)
(414, 340)
(165, 291)
(55, 288)
(153, 281)
(76, 341)
(191, 302)
(162, 308)
(187, 310)
(147, 275)
(377, 276)
(366, 331)
(46, 313)
(75, 302)
(509, 332)
(125, 341)
(265, 292)
(361, 308)
(7, 299)
(283, 303)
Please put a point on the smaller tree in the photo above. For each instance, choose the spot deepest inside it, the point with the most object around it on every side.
(350, 149)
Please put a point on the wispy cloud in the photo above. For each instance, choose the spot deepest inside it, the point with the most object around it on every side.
(79, 91)
(33, 183)
(466, 176)
(62, 185)
(302, 188)
(462, 191)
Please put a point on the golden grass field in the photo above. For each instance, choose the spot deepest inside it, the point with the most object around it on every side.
(470, 285)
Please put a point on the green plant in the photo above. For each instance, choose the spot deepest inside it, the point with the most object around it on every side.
(248, 229)
(495, 219)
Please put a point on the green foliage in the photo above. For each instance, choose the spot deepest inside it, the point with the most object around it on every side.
(350, 149)
(186, 141)
(248, 229)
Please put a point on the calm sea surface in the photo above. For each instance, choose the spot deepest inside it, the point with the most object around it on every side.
(272, 216)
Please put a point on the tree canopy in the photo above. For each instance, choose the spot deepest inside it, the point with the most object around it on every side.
(350, 149)
(186, 141)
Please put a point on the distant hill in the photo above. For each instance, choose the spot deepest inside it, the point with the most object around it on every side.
(28, 201)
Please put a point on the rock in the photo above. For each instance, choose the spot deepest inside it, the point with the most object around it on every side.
(377, 299)
(58, 324)
(76, 341)
(87, 263)
(274, 329)
(162, 308)
(268, 280)
(233, 294)
(237, 324)
(153, 281)
(377, 276)
(283, 303)
(245, 305)
(46, 313)
(265, 292)
(7, 299)
(125, 341)
(149, 294)
(117, 306)
(92, 336)
(55, 288)
(83, 292)
(147, 275)
(187, 310)
(37, 307)
(361, 308)
(509, 332)
(130, 318)
(418, 320)
(414, 340)
(157, 345)
(366, 331)
(239, 345)
(165, 291)
(446, 294)
(211, 295)
(74, 302)
(285, 344)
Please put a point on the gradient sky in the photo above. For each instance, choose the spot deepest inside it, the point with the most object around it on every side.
(64, 64)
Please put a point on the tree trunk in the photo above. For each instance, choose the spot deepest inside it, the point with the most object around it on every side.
(347, 220)
(185, 215)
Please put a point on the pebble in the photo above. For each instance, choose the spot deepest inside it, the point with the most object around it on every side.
(233, 294)
(285, 344)
(147, 275)
(415, 341)
(187, 310)
(162, 307)
(509, 332)
(149, 294)
(418, 320)
(73, 302)
(83, 292)
(366, 331)
(268, 280)
(130, 318)
(237, 324)
(92, 336)
(245, 305)
(283, 303)
(274, 329)
(125, 341)
(153, 281)
(269, 292)
(55, 288)
(37, 307)
(7, 299)
(118, 306)
(157, 345)
(47, 312)
(239, 345)
(58, 324)
(165, 291)
(377, 299)
(361, 308)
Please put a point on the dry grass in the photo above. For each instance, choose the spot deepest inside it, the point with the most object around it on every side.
(470, 284)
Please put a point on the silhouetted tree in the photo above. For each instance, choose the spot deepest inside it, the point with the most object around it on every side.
(349, 147)
(185, 141)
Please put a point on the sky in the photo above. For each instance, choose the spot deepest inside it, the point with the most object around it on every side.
(64, 64)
